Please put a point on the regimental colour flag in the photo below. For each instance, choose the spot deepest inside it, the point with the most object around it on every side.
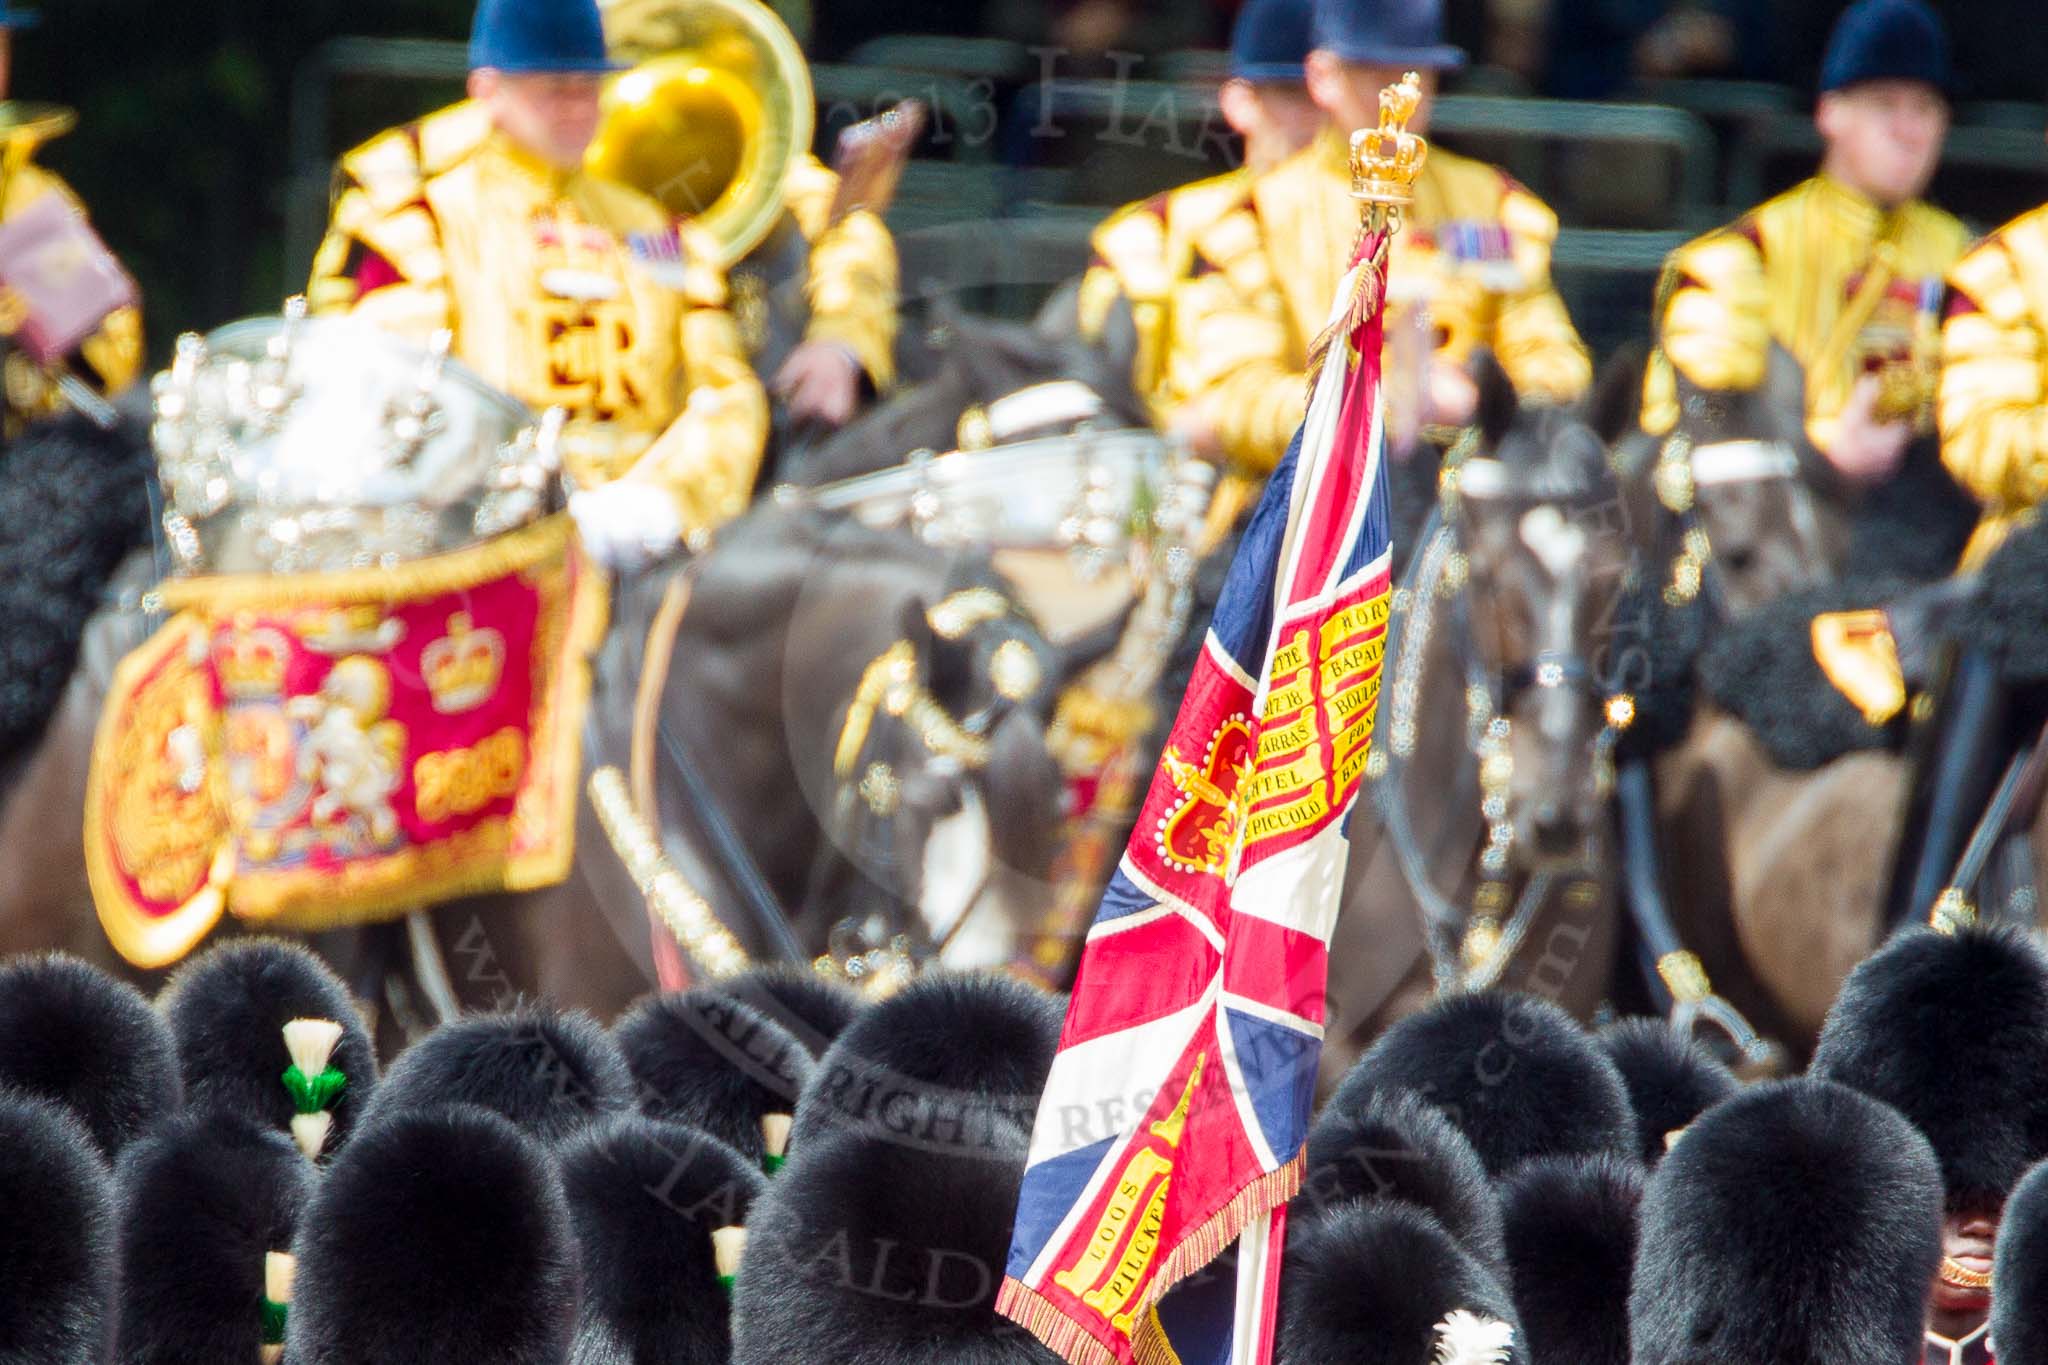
(1175, 1114)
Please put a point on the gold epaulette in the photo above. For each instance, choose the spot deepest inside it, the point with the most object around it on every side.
(808, 193)
(1472, 191)
(1720, 260)
(393, 168)
(1524, 215)
(2006, 275)
(1950, 235)
(1457, 188)
(1143, 230)
(381, 199)
(1715, 321)
(450, 136)
(384, 172)
(1132, 243)
(1235, 246)
(703, 279)
(1192, 208)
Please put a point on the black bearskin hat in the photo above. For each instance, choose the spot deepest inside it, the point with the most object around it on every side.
(1671, 1079)
(1797, 1223)
(702, 1058)
(814, 1010)
(56, 1257)
(74, 499)
(646, 1199)
(2019, 1302)
(228, 1009)
(1384, 1284)
(204, 1201)
(1952, 1031)
(1398, 1147)
(71, 1033)
(1571, 1234)
(1515, 1073)
(947, 1049)
(437, 1235)
(551, 1072)
(870, 1247)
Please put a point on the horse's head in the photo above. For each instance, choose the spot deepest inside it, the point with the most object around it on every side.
(1738, 510)
(996, 382)
(1540, 523)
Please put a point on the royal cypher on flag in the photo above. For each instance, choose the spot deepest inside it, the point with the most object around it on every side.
(1175, 1114)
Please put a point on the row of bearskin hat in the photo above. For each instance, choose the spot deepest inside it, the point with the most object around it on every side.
(776, 1172)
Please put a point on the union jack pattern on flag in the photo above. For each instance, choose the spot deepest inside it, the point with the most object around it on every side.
(1175, 1114)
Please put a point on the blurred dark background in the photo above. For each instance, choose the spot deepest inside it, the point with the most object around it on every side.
(206, 129)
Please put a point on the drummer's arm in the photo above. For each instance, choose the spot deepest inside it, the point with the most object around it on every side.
(1533, 336)
(1994, 380)
(711, 454)
(1231, 363)
(853, 275)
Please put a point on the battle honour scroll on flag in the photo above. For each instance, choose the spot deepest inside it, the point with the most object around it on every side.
(1174, 1118)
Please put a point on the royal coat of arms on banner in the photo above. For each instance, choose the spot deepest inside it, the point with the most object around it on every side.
(305, 754)
(370, 694)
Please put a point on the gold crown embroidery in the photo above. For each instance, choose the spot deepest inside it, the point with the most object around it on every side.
(251, 662)
(463, 667)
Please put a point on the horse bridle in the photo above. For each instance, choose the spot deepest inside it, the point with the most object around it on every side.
(891, 690)
(1693, 574)
(1693, 571)
(1470, 951)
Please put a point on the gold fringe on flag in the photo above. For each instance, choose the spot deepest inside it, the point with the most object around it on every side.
(1368, 287)
(1076, 1345)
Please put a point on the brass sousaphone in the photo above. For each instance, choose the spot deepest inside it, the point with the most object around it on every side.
(715, 110)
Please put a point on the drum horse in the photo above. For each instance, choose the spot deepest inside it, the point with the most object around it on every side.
(370, 686)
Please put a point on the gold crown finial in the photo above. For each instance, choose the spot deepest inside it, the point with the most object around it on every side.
(1386, 160)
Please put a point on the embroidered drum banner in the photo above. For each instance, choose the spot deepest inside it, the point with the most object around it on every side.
(317, 750)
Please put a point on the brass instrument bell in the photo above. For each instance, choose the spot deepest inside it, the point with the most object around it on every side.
(713, 114)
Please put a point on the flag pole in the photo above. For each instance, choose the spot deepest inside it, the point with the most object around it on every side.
(1385, 162)
(1192, 1033)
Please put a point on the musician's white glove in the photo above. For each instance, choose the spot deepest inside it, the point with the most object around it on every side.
(626, 525)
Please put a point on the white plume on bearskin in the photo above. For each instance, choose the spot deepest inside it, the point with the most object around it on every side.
(244, 1010)
(703, 1058)
(204, 1201)
(652, 1203)
(1468, 1339)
